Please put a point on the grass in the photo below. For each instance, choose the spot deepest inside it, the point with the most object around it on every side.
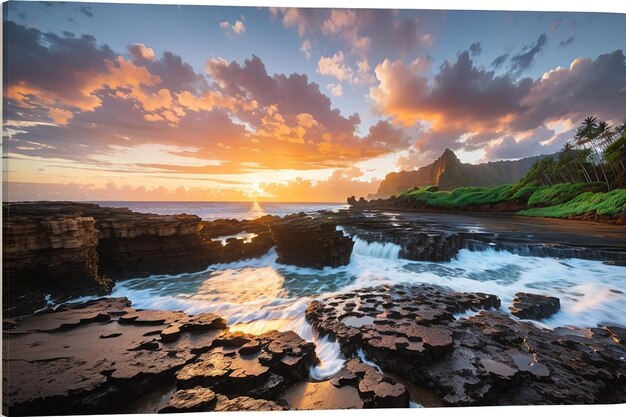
(605, 204)
(460, 197)
(560, 200)
(562, 193)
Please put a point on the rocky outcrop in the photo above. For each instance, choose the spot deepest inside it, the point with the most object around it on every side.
(485, 359)
(91, 358)
(439, 238)
(534, 306)
(448, 172)
(45, 250)
(309, 242)
(240, 239)
(65, 249)
(375, 389)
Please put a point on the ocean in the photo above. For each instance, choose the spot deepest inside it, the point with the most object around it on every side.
(260, 294)
(219, 210)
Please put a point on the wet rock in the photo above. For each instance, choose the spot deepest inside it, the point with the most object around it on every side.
(195, 399)
(47, 251)
(322, 396)
(486, 359)
(207, 370)
(68, 249)
(304, 241)
(74, 361)
(534, 306)
(244, 403)
(375, 389)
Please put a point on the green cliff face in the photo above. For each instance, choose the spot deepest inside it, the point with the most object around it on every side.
(448, 172)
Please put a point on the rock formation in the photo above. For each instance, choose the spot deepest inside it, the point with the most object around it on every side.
(309, 242)
(94, 357)
(66, 249)
(486, 359)
(534, 306)
(448, 172)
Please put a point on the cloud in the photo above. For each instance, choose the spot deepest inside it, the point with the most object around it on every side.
(237, 113)
(306, 49)
(360, 30)
(59, 115)
(587, 86)
(86, 10)
(336, 67)
(140, 52)
(467, 107)
(523, 61)
(501, 59)
(335, 89)
(336, 188)
(236, 28)
(460, 95)
(567, 41)
(24, 191)
(475, 49)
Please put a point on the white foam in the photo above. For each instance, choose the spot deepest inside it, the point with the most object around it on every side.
(259, 295)
(386, 250)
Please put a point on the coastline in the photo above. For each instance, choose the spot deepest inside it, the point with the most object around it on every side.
(203, 365)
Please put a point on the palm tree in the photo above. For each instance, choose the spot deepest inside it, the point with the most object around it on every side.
(588, 133)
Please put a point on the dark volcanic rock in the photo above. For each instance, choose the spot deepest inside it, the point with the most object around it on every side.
(534, 306)
(244, 403)
(304, 241)
(195, 399)
(88, 358)
(416, 241)
(375, 389)
(66, 249)
(47, 251)
(487, 359)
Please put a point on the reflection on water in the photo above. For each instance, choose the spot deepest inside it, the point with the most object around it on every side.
(260, 295)
(256, 211)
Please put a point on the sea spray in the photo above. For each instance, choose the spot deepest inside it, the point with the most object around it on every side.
(260, 294)
(386, 250)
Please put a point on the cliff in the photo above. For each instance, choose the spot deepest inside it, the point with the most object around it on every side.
(448, 172)
(54, 251)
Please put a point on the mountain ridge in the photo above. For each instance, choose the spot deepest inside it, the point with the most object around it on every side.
(448, 172)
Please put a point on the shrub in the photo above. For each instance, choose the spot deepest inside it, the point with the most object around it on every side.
(605, 204)
(561, 193)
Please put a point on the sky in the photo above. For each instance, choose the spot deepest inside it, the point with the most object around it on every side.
(204, 103)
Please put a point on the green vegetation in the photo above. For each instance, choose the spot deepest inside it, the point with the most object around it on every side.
(558, 200)
(573, 183)
(459, 197)
(597, 153)
(605, 204)
(561, 193)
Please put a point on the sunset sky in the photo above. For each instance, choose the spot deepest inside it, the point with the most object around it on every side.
(155, 102)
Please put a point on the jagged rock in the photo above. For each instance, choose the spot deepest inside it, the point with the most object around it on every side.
(375, 389)
(400, 322)
(534, 306)
(47, 250)
(322, 396)
(244, 403)
(190, 400)
(304, 241)
(86, 358)
(67, 249)
(486, 359)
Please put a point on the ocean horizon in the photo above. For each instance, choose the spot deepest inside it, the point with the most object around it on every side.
(221, 210)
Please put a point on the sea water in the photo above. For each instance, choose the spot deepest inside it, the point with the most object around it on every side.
(260, 294)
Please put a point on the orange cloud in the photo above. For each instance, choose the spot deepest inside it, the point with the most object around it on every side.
(139, 51)
(341, 184)
(59, 115)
